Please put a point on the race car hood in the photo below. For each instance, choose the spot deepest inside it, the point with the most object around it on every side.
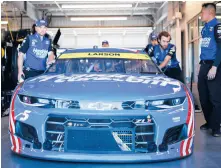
(102, 87)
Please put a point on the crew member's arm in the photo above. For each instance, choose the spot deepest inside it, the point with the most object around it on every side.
(23, 49)
(51, 56)
(149, 50)
(217, 33)
(170, 54)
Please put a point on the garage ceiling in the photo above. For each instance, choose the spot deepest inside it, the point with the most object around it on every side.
(141, 16)
(76, 8)
(83, 8)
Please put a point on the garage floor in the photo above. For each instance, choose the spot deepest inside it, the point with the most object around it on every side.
(207, 154)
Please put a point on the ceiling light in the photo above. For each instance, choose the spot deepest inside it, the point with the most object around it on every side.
(219, 4)
(97, 6)
(103, 1)
(97, 18)
(75, 34)
(124, 32)
(99, 33)
(4, 22)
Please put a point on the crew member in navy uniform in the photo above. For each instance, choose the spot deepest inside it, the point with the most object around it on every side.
(209, 79)
(165, 55)
(153, 40)
(38, 50)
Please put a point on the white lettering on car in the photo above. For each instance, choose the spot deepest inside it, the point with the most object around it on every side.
(161, 81)
(25, 115)
(176, 119)
(133, 79)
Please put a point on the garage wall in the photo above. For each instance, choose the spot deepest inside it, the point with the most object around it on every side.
(15, 23)
(117, 37)
(192, 9)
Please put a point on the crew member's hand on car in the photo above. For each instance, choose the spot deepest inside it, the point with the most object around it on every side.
(20, 67)
(49, 63)
(21, 76)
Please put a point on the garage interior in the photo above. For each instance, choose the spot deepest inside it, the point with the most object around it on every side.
(124, 24)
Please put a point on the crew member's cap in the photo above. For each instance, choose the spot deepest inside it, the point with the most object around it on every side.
(41, 22)
(153, 37)
(105, 42)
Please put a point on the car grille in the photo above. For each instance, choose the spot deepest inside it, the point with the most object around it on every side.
(130, 134)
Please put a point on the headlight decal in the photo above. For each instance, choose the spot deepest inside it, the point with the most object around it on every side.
(164, 104)
(32, 101)
(124, 105)
(48, 103)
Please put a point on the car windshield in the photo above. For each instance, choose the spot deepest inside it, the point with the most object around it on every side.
(102, 65)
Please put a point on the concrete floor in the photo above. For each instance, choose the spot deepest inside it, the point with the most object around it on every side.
(207, 154)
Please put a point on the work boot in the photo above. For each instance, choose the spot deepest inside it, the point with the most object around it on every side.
(216, 133)
(204, 127)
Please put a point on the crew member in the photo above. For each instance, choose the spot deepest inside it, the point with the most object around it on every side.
(38, 50)
(165, 55)
(209, 78)
(153, 40)
(105, 44)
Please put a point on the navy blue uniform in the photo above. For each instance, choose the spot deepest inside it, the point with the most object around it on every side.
(209, 90)
(36, 50)
(172, 69)
(148, 48)
(149, 51)
(208, 43)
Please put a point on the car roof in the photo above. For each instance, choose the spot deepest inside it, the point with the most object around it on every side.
(109, 50)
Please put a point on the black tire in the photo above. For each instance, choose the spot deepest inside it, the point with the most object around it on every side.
(14, 66)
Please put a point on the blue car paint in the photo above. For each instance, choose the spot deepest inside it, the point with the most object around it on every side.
(95, 89)
(120, 90)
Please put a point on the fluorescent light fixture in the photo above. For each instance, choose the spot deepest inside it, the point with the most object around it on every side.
(124, 32)
(96, 6)
(75, 34)
(111, 1)
(219, 4)
(4, 22)
(97, 18)
(99, 33)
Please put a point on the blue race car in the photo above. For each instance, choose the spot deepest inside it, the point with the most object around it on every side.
(102, 105)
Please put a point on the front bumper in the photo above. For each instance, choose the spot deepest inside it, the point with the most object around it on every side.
(172, 154)
(163, 121)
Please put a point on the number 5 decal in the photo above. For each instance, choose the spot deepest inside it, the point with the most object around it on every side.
(25, 115)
